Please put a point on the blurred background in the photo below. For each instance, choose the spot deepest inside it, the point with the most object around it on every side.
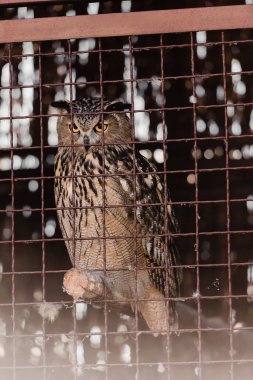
(41, 333)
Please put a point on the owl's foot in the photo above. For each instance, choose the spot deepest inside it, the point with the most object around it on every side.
(80, 284)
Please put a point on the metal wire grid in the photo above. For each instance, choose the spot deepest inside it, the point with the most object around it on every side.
(165, 172)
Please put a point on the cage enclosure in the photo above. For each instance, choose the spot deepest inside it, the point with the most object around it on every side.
(188, 75)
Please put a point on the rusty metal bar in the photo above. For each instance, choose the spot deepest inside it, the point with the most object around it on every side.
(122, 24)
(15, 3)
(13, 285)
(196, 174)
(228, 221)
(143, 364)
(11, 3)
(139, 236)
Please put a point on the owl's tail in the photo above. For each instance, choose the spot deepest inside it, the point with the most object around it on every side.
(159, 316)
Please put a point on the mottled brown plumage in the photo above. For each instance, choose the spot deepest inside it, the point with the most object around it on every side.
(101, 211)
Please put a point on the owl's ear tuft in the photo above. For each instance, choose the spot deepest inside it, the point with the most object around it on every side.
(61, 104)
(118, 106)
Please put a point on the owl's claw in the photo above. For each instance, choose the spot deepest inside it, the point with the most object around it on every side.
(79, 284)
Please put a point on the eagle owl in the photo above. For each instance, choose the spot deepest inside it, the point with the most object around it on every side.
(110, 206)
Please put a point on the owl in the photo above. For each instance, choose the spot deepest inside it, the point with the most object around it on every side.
(112, 215)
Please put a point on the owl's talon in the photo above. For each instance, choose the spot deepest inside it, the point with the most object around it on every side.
(78, 285)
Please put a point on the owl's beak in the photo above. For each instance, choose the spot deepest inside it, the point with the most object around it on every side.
(86, 140)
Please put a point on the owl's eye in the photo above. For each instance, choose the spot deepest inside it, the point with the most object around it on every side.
(74, 128)
(100, 127)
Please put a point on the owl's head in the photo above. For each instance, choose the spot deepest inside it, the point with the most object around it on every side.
(89, 126)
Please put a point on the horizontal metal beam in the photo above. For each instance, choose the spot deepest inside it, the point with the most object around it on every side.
(121, 24)
(11, 3)
(16, 3)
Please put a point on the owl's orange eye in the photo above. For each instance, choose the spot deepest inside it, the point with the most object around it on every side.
(73, 128)
(100, 127)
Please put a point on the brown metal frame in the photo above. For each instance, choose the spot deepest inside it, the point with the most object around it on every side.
(15, 3)
(127, 24)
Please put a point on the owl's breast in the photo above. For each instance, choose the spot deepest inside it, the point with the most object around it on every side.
(97, 226)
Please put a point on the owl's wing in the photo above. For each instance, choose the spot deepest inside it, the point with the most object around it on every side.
(160, 249)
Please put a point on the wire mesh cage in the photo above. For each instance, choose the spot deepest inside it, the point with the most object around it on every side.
(191, 116)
